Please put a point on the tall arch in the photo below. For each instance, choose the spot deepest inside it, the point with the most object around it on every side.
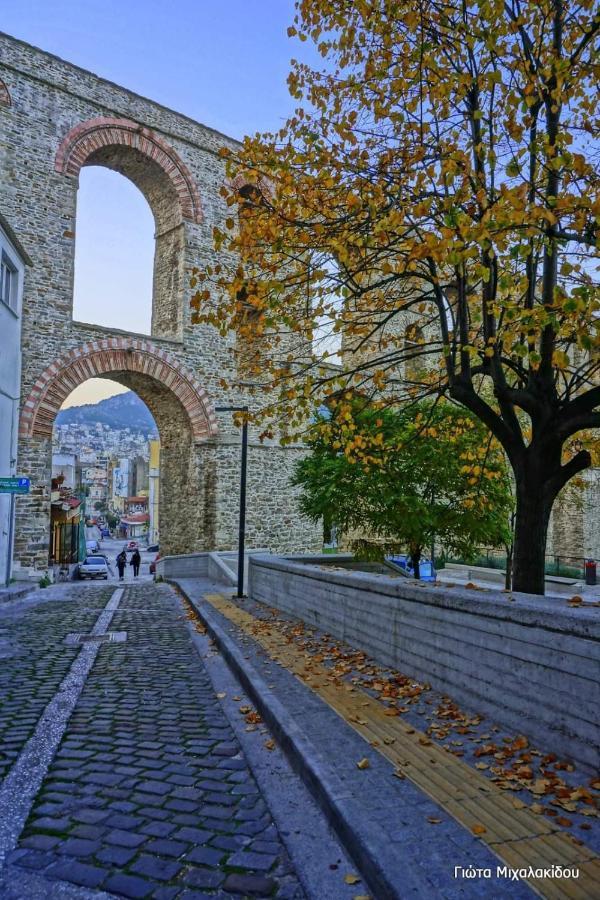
(158, 171)
(121, 359)
(184, 417)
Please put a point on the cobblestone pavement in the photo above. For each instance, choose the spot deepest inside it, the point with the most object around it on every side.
(33, 662)
(149, 793)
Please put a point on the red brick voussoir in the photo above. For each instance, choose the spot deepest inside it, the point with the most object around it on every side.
(111, 356)
(94, 134)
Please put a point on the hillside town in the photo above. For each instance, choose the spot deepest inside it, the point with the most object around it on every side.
(105, 482)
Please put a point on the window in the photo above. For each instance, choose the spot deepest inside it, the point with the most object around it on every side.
(9, 283)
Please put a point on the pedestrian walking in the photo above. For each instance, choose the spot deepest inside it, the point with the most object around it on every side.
(135, 562)
(121, 562)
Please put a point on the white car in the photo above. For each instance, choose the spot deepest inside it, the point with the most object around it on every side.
(93, 567)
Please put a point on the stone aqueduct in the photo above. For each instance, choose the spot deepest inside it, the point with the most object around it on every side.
(55, 119)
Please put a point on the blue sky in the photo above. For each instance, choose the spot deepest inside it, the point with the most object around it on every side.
(222, 63)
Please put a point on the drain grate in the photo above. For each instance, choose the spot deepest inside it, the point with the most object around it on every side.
(109, 637)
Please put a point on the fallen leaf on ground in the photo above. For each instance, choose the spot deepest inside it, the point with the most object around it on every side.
(479, 829)
(352, 879)
(221, 695)
(270, 744)
(433, 820)
(363, 764)
(481, 766)
(245, 710)
(518, 804)
(398, 774)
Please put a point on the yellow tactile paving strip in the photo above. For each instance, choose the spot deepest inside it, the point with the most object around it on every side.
(517, 836)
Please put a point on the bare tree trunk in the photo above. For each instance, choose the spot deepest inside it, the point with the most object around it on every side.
(415, 555)
(531, 529)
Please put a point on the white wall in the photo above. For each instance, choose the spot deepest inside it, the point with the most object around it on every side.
(10, 383)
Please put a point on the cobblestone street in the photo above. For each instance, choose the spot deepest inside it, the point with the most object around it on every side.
(149, 793)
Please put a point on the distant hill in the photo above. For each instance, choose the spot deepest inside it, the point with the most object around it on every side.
(120, 411)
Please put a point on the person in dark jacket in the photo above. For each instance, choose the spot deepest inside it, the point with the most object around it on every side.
(121, 561)
(135, 562)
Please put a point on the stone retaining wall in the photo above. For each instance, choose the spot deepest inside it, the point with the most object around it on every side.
(530, 663)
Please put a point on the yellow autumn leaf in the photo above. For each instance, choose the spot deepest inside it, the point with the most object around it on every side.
(363, 763)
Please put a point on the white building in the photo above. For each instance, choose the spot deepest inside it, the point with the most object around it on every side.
(13, 260)
(66, 464)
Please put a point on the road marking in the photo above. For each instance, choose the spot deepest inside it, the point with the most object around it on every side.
(21, 785)
(517, 836)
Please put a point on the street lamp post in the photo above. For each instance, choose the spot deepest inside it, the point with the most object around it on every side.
(243, 474)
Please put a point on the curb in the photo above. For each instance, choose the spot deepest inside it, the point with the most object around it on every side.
(363, 839)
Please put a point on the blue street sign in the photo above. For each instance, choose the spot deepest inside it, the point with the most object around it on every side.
(16, 485)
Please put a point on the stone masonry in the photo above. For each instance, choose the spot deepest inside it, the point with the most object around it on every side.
(54, 119)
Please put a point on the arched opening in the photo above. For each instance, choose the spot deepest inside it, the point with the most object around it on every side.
(105, 474)
(178, 405)
(114, 253)
(143, 158)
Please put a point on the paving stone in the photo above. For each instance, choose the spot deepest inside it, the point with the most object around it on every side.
(115, 856)
(203, 878)
(33, 859)
(245, 859)
(78, 847)
(255, 885)
(158, 829)
(165, 847)
(79, 873)
(120, 820)
(48, 823)
(40, 842)
(125, 838)
(166, 893)
(129, 886)
(156, 868)
(205, 856)
(193, 835)
(230, 841)
(91, 832)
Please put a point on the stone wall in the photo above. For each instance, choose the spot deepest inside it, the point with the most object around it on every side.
(59, 119)
(574, 529)
(529, 663)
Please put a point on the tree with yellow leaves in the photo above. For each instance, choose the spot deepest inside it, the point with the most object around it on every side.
(443, 164)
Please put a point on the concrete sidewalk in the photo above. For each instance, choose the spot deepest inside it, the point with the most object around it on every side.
(404, 842)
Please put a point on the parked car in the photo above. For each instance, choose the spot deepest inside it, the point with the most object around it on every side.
(153, 564)
(93, 567)
(92, 546)
(153, 548)
(132, 545)
(427, 570)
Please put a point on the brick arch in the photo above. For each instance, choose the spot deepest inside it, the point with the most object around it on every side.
(5, 98)
(115, 356)
(95, 135)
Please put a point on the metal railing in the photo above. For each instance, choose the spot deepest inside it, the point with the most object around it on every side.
(493, 558)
